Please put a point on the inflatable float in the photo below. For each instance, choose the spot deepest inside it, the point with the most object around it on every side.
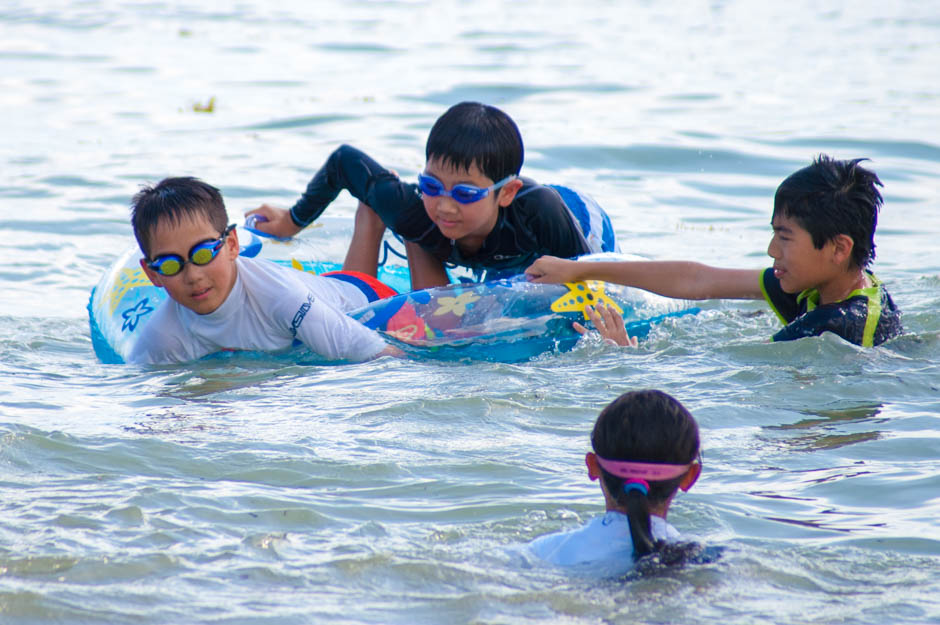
(508, 320)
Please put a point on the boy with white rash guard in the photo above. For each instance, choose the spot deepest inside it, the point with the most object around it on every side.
(219, 301)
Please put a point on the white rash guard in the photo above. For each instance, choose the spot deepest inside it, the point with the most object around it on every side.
(269, 307)
(604, 544)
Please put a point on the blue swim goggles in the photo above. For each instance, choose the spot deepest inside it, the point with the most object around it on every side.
(201, 254)
(463, 193)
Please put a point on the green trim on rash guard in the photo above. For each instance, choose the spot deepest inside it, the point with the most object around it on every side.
(768, 299)
(873, 300)
(874, 311)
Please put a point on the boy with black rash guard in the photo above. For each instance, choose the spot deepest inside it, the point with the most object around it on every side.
(469, 208)
(824, 226)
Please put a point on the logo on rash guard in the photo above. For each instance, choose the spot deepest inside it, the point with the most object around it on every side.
(299, 316)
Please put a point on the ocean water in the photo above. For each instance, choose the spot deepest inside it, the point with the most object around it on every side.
(257, 491)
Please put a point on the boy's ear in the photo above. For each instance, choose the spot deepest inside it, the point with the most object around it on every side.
(842, 245)
(508, 193)
(231, 243)
(152, 275)
(594, 469)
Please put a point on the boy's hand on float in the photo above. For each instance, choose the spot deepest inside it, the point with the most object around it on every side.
(552, 269)
(609, 324)
(391, 350)
(276, 221)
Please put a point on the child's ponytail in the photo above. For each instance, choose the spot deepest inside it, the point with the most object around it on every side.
(636, 500)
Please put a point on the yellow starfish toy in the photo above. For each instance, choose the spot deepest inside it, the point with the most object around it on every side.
(581, 294)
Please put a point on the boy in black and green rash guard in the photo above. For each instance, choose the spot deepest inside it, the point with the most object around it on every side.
(824, 223)
(866, 317)
(470, 206)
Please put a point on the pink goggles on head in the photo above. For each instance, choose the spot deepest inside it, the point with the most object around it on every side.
(649, 471)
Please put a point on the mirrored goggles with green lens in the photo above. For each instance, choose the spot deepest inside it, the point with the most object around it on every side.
(202, 253)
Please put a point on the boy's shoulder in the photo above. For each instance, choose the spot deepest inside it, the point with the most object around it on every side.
(540, 213)
(277, 290)
(533, 198)
(266, 275)
(272, 290)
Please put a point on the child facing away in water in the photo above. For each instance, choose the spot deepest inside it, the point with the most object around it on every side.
(645, 448)
(824, 222)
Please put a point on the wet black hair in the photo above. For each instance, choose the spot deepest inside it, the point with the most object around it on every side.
(174, 199)
(474, 133)
(646, 426)
(832, 197)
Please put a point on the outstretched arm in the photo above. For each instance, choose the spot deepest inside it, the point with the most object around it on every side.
(346, 168)
(679, 279)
